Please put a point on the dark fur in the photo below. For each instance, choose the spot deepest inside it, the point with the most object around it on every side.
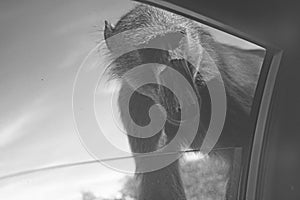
(239, 69)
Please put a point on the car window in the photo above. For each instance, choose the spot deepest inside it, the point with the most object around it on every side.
(81, 84)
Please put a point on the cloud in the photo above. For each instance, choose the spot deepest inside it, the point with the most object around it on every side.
(15, 130)
(72, 59)
(76, 25)
(21, 124)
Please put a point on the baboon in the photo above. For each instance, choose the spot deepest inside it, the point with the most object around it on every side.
(239, 70)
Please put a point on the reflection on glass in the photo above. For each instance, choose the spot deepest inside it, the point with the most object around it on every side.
(74, 183)
(211, 176)
(41, 131)
(204, 177)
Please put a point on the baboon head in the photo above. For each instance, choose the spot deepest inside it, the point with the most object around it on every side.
(166, 41)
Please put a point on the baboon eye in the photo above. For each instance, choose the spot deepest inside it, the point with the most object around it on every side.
(199, 80)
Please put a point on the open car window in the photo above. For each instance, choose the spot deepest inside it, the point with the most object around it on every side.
(53, 53)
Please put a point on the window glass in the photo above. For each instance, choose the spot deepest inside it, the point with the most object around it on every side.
(163, 101)
(204, 177)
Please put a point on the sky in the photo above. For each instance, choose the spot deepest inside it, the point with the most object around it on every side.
(42, 44)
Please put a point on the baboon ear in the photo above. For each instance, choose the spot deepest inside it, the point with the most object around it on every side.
(108, 32)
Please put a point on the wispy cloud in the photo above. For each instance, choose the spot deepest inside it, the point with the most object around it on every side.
(19, 125)
(76, 25)
(15, 130)
(72, 59)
